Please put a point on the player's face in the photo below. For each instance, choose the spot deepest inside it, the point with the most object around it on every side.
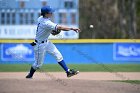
(49, 15)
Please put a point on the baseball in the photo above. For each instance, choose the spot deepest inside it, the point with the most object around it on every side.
(91, 26)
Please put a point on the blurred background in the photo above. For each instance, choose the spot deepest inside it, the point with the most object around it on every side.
(110, 30)
(112, 19)
(19, 17)
(117, 19)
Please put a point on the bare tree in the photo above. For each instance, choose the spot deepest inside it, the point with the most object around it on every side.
(122, 18)
(132, 19)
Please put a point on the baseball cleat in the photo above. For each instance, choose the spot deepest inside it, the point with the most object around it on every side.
(72, 72)
(29, 76)
(31, 73)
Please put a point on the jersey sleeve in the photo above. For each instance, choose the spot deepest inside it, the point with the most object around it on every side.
(51, 26)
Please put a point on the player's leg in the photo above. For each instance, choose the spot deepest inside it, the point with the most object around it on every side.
(54, 51)
(51, 49)
(39, 52)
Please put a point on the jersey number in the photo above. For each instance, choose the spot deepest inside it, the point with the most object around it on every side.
(37, 27)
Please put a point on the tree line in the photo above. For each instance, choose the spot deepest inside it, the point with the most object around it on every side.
(112, 19)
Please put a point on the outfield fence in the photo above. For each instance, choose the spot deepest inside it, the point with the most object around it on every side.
(81, 51)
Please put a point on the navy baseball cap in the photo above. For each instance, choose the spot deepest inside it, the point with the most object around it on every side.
(47, 9)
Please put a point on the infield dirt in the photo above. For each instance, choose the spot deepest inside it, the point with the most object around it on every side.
(56, 82)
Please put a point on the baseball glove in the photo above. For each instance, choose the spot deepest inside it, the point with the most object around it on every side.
(55, 32)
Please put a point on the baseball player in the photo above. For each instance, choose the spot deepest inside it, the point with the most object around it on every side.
(42, 45)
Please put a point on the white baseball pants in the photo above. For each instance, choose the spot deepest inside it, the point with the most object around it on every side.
(40, 50)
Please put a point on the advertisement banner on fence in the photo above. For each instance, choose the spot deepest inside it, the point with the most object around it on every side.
(126, 51)
(17, 52)
(17, 31)
(29, 32)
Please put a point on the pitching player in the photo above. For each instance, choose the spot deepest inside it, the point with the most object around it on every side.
(42, 45)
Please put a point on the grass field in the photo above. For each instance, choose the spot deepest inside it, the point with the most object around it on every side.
(130, 81)
(80, 67)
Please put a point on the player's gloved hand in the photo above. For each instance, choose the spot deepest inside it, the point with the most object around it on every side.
(55, 32)
(76, 30)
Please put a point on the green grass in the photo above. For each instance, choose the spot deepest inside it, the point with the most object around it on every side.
(130, 81)
(80, 67)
